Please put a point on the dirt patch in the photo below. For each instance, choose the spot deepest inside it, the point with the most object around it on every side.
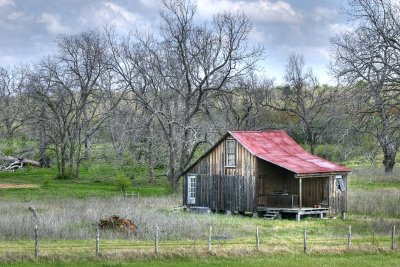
(6, 186)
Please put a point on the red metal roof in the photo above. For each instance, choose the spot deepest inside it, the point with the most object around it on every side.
(278, 148)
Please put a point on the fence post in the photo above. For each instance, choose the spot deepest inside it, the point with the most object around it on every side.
(305, 240)
(97, 242)
(36, 242)
(209, 238)
(393, 247)
(349, 237)
(156, 241)
(257, 239)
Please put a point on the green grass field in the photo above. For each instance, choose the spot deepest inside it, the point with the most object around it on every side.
(348, 259)
(96, 181)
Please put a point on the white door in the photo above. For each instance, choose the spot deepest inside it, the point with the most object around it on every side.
(191, 189)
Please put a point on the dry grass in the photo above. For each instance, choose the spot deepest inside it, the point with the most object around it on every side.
(8, 186)
(384, 202)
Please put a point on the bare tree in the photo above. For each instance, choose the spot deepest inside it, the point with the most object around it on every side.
(367, 61)
(174, 75)
(73, 93)
(304, 99)
(12, 99)
(243, 107)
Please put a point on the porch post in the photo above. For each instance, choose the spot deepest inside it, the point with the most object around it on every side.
(300, 193)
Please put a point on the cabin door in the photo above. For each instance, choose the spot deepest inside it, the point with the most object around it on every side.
(191, 183)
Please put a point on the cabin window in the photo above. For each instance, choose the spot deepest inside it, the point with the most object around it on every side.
(191, 189)
(340, 183)
(230, 153)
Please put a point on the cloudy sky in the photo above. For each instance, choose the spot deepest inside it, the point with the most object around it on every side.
(28, 27)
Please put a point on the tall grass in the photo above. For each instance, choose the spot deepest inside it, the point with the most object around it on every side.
(77, 219)
(376, 175)
(384, 202)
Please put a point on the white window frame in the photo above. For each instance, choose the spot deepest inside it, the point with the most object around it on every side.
(227, 154)
(191, 189)
(340, 183)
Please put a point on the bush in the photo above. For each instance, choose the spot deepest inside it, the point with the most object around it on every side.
(122, 180)
(329, 152)
(46, 181)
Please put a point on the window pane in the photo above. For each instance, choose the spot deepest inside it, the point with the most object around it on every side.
(191, 189)
(340, 184)
(230, 152)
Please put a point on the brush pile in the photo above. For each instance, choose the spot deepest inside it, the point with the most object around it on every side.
(118, 224)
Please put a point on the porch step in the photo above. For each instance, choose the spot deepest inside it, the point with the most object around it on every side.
(270, 215)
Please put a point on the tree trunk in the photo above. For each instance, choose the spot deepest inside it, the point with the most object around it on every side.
(151, 161)
(389, 159)
(389, 148)
(88, 151)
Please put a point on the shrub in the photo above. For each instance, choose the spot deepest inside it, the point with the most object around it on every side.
(122, 180)
(46, 182)
(330, 152)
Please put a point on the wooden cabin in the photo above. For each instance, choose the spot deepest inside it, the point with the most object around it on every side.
(265, 172)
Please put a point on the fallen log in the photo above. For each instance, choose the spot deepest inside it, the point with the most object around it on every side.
(15, 161)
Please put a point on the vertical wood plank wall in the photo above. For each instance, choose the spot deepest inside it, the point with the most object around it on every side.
(225, 188)
(272, 178)
(214, 162)
(337, 198)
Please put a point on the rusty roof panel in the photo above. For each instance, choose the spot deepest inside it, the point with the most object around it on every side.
(278, 148)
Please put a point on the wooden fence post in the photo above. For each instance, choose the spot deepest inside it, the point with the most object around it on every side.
(305, 240)
(209, 238)
(156, 241)
(257, 239)
(97, 242)
(393, 247)
(36, 242)
(349, 237)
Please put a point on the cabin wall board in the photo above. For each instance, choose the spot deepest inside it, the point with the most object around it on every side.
(337, 198)
(272, 178)
(225, 192)
(215, 161)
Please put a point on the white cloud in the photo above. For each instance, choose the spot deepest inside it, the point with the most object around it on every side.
(322, 13)
(151, 3)
(261, 10)
(15, 16)
(109, 13)
(53, 23)
(4, 3)
(7, 60)
(338, 28)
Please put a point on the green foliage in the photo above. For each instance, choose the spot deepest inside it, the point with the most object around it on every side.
(46, 181)
(123, 181)
(330, 152)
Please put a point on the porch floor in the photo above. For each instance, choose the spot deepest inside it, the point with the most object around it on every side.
(297, 211)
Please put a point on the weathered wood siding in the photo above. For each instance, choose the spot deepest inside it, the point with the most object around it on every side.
(215, 162)
(314, 191)
(272, 178)
(337, 198)
(224, 188)
(225, 192)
